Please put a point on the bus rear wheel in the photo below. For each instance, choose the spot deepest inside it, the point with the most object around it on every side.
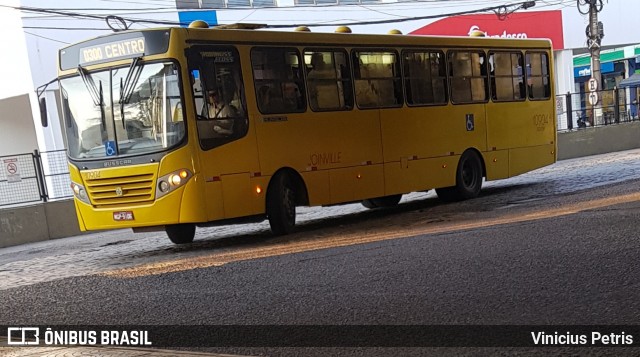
(380, 202)
(281, 205)
(468, 179)
(181, 233)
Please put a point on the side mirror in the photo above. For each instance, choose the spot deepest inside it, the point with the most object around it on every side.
(177, 113)
(43, 112)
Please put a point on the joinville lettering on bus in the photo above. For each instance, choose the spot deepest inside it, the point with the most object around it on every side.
(325, 158)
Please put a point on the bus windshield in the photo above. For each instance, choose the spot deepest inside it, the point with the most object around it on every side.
(123, 111)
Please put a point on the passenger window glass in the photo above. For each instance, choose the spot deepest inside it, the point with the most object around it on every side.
(425, 77)
(539, 86)
(507, 76)
(377, 79)
(328, 80)
(277, 75)
(469, 81)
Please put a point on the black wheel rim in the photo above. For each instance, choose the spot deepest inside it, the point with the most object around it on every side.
(289, 203)
(469, 174)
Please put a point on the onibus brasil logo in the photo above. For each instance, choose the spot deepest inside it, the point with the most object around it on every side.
(32, 336)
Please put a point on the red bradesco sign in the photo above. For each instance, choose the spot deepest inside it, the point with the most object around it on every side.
(530, 24)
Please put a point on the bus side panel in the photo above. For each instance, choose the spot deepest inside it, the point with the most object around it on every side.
(527, 130)
(320, 141)
(213, 200)
(496, 164)
(414, 175)
(530, 158)
(520, 124)
(240, 201)
(502, 121)
(319, 181)
(356, 183)
(416, 134)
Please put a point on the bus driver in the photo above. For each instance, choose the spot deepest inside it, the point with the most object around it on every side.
(221, 112)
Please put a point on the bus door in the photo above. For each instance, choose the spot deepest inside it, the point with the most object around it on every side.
(228, 155)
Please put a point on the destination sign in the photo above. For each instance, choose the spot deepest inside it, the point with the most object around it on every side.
(112, 50)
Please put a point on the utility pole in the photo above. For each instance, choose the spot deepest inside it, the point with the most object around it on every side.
(595, 33)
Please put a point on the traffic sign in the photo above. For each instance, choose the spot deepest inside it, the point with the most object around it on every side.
(11, 170)
(593, 98)
(593, 85)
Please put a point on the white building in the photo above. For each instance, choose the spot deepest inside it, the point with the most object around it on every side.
(34, 30)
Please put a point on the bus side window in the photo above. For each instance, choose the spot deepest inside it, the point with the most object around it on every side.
(328, 80)
(277, 76)
(507, 79)
(539, 85)
(425, 78)
(377, 81)
(469, 78)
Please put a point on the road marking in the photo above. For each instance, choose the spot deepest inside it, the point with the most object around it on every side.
(348, 239)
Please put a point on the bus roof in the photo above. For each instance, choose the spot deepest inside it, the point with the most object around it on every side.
(129, 44)
(271, 37)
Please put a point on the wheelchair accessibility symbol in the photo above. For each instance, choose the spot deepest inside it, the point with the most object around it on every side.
(110, 148)
(470, 122)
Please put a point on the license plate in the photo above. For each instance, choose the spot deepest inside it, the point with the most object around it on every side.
(123, 216)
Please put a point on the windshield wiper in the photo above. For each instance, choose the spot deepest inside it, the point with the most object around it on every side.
(96, 93)
(87, 79)
(103, 119)
(128, 87)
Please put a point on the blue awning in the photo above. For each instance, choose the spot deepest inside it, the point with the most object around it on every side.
(633, 81)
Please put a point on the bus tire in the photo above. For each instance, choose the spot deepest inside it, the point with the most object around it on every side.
(181, 233)
(381, 202)
(468, 179)
(281, 205)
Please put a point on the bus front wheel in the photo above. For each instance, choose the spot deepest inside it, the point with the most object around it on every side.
(181, 233)
(468, 179)
(281, 205)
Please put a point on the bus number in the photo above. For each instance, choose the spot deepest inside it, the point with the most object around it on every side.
(92, 54)
(541, 121)
(92, 175)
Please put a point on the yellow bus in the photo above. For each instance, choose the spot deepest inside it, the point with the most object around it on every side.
(173, 128)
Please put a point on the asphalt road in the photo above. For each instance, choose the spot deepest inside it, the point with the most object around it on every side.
(520, 254)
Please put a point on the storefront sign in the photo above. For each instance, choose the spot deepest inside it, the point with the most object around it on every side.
(585, 71)
(517, 25)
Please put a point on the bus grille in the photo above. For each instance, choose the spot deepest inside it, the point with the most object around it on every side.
(121, 190)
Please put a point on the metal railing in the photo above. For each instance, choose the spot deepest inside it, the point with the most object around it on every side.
(581, 110)
(34, 177)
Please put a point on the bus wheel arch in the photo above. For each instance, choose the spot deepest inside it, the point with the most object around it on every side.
(286, 190)
(470, 172)
(182, 233)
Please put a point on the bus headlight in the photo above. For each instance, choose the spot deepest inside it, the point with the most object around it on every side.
(164, 186)
(80, 193)
(171, 181)
(175, 180)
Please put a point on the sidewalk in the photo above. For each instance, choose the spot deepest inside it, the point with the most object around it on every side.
(96, 351)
